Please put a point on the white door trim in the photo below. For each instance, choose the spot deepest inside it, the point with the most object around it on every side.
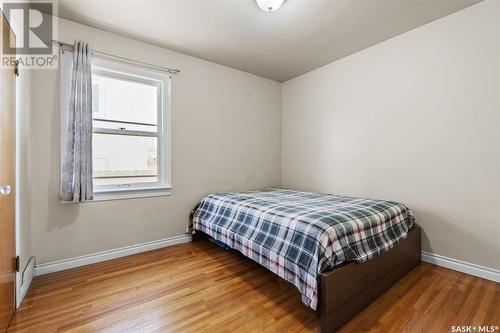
(17, 191)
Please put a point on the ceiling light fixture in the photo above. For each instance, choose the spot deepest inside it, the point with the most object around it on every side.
(269, 5)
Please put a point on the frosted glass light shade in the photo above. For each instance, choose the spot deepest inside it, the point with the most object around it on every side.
(269, 5)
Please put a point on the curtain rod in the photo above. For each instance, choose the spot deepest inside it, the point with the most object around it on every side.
(136, 62)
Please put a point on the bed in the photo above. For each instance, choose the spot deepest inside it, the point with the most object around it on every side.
(340, 252)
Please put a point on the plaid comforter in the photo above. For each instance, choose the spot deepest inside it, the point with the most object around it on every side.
(298, 235)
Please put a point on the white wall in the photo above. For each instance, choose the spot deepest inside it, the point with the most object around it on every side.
(226, 136)
(413, 119)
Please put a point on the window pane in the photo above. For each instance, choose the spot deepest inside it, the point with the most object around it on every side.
(118, 99)
(124, 159)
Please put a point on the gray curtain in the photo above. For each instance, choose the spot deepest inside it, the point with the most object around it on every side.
(76, 177)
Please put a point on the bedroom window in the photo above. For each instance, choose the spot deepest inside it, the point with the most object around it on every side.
(131, 129)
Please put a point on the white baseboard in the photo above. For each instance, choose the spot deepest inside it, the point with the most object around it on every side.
(462, 266)
(27, 277)
(61, 265)
(55, 266)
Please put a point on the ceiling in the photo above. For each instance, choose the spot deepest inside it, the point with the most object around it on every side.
(300, 36)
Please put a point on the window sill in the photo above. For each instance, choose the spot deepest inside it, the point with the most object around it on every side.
(128, 193)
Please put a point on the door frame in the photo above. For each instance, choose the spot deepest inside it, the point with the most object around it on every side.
(17, 203)
(17, 222)
(17, 278)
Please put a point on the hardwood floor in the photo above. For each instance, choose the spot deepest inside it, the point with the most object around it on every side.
(199, 287)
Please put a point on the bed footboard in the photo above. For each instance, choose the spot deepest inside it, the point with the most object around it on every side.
(348, 289)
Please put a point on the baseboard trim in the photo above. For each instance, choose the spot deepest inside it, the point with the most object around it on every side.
(27, 277)
(64, 264)
(60, 265)
(462, 266)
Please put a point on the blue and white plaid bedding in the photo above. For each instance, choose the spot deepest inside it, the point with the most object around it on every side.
(298, 235)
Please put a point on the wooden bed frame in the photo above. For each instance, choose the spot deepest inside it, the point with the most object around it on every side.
(347, 289)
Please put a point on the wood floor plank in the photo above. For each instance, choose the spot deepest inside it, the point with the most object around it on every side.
(199, 287)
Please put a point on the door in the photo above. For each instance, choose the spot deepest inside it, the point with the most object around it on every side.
(7, 205)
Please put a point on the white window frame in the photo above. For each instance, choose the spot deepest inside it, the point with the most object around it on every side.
(119, 69)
